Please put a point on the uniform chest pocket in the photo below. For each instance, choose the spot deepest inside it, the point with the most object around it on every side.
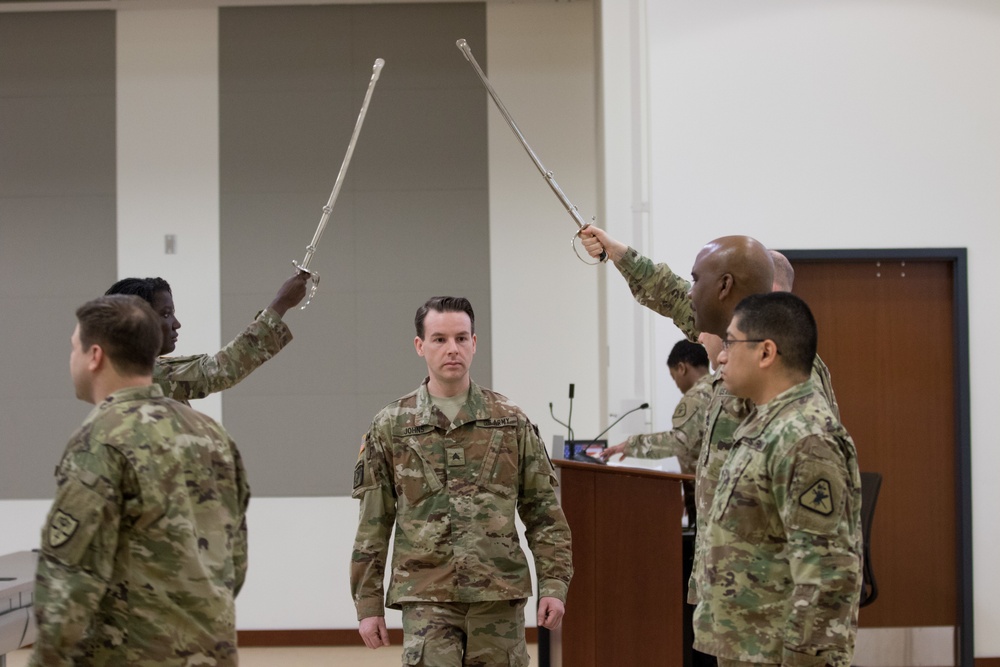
(742, 505)
(414, 476)
(500, 465)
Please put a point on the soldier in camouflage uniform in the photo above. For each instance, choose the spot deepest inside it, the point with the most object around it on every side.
(145, 547)
(688, 366)
(779, 580)
(450, 465)
(197, 376)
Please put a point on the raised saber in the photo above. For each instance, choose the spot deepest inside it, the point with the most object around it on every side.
(574, 213)
(311, 248)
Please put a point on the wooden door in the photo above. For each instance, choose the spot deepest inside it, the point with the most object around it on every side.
(886, 330)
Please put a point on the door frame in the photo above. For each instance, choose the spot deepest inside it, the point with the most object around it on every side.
(958, 257)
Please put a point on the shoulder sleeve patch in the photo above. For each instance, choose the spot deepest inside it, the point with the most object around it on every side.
(818, 498)
(364, 473)
(62, 527)
(680, 410)
(359, 473)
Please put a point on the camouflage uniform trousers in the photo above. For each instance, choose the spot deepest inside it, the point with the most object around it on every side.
(461, 634)
(726, 662)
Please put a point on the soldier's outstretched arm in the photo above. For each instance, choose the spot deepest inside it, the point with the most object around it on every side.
(374, 632)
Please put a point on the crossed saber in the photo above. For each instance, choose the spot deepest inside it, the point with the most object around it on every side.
(463, 46)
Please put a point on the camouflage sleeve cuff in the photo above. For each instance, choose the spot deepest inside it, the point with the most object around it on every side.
(627, 264)
(369, 607)
(270, 317)
(553, 588)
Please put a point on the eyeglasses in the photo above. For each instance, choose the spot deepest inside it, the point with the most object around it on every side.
(728, 342)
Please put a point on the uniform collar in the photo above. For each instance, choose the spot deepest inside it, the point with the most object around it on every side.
(133, 394)
(762, 415)
(476, 408)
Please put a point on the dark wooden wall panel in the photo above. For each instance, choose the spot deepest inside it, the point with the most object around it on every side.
(885, 331)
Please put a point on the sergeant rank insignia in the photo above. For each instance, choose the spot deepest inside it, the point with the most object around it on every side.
(818, 498)
(61, 529)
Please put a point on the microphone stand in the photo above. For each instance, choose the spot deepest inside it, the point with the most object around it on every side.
(626, 414)
(569, 429)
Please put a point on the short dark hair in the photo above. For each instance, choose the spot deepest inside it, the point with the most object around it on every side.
(785, 319)
(146, 288)
(127, 330)
(443, 304)
(684, 351)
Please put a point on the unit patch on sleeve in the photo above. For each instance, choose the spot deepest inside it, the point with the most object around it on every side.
(359, 473)
(818, 498)
(61, 529)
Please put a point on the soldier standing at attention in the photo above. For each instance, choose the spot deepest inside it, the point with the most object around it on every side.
(779, 579)
(145, 547)
(197, 376)
(450, 464)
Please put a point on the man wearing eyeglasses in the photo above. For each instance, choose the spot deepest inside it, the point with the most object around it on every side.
(780, 574)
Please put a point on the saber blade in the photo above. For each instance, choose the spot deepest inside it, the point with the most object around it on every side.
(574, 213)
(328, 208)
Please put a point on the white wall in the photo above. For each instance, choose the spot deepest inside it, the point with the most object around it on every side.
(168, 163)
(834, 125)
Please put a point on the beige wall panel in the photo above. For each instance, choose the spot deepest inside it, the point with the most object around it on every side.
(412, 219)
(57, 225)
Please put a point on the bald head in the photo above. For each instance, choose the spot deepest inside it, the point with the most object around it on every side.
(784, 274)
(726, 271)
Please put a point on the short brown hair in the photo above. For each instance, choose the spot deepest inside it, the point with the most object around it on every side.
(126, 328)
(444, 304)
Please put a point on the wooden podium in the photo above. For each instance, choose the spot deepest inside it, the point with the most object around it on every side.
(626, 600)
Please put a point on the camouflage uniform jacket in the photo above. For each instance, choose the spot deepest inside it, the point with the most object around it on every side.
(145, 547)
(684, 441)
(197, 376)
(780, 575)
(452, 490)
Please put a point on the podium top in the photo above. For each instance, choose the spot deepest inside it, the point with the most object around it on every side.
(627, 471)
(17, 583)
(17, 578)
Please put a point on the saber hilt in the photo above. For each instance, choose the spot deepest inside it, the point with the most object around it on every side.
(581, 224)
(328, 208)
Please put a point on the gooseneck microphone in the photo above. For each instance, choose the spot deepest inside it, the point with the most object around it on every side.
(626, 414)
(569, 419)
(559, 422)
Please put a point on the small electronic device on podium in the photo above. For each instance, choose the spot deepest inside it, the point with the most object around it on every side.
(586, 451)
